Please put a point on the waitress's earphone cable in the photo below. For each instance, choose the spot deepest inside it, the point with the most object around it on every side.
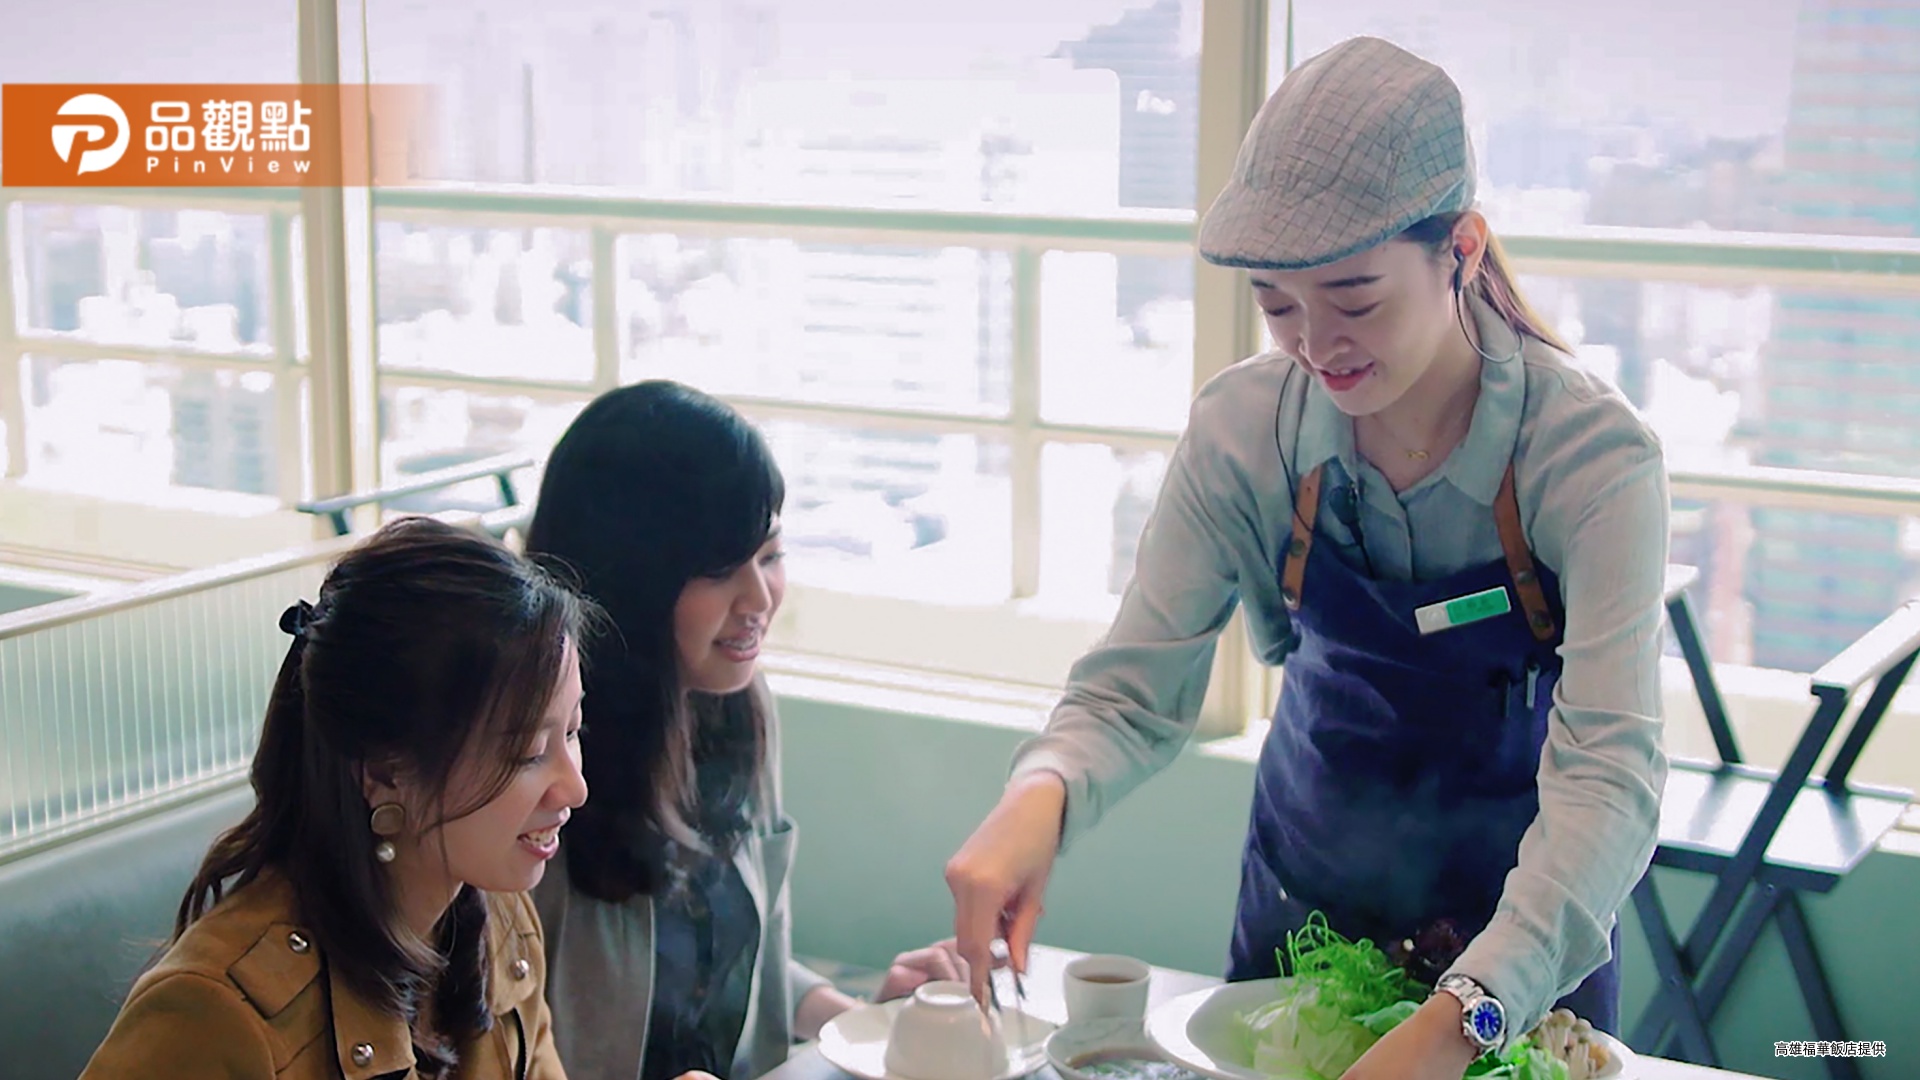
(1460, 313)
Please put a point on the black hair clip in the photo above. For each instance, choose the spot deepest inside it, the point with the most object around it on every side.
(296, 618)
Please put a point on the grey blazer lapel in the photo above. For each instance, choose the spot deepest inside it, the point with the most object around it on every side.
(600, 972)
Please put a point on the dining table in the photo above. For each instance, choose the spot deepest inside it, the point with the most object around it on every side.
(1044, 983)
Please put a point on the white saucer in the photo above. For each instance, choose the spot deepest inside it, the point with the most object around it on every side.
(856, 1042)
(1125, 1037)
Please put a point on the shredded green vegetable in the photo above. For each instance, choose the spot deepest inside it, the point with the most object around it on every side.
(1522, 1061)
(1354, 977)
(1342, 996)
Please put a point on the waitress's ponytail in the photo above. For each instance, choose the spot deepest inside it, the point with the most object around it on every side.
(1495, 282)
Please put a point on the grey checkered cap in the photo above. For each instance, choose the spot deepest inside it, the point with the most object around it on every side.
(1357, 144)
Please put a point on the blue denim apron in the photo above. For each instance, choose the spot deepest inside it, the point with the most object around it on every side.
(1399, 774)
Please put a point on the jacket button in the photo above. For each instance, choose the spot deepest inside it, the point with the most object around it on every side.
(363, 1054)
(520, 968)
(298, 942)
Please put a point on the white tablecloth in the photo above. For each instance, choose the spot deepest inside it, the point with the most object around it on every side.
(1043, 983)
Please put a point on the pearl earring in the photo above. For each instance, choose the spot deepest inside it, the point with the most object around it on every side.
(388, 819)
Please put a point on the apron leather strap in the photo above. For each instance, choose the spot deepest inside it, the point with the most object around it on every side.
(1513, 541)
(1306, 508)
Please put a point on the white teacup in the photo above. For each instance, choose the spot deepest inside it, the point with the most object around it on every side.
(941, 1033)
(1106, 988)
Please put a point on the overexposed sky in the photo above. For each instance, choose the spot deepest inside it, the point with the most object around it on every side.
(147, 41)
(1722, 67)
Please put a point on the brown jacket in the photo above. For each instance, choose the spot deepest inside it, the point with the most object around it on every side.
(244, 995)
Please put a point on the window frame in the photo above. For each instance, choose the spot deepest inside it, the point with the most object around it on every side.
(1014, 641)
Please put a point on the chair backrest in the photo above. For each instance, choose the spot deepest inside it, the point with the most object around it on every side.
(79, 921)
(500, 467)
(1686, 632)
(1884, 656)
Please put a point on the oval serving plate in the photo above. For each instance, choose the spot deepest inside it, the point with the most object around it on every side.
(1200, 1032)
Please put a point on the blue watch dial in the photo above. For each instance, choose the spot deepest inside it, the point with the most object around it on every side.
(1487, 1021)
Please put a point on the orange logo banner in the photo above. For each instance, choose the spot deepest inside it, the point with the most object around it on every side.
(212, 135)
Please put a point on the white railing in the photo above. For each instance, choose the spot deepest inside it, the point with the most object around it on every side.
(113, 705)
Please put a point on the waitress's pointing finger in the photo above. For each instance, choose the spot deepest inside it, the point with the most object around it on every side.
(1020, 930)
(977, 904)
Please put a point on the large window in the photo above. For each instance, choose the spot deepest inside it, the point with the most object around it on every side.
(148, 365)
(1081, 105)
(967, 422)
(147, 348)
(944, 257)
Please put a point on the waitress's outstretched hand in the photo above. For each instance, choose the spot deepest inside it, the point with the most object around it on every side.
(999, 876)
(1426, 1046)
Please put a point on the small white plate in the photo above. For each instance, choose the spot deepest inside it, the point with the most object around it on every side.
(856, 1041)
(1200, 1031)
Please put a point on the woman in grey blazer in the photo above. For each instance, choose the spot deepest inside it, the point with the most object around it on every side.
(667, 918)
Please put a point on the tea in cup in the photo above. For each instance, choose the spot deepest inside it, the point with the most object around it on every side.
(1106, 988)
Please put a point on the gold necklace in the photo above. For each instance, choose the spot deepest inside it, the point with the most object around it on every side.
(1412, 454)
(1471, 394)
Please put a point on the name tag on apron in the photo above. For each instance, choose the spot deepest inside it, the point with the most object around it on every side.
(1462, 610)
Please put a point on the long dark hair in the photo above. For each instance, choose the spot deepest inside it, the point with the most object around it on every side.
(1495, 283)
(425, 639)
(652, 486)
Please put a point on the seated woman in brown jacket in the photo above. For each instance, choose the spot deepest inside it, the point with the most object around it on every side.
(417, 761)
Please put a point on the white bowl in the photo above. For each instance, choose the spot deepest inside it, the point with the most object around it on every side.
(943, 1034)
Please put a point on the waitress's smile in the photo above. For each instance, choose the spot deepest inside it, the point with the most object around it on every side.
(1340, 380)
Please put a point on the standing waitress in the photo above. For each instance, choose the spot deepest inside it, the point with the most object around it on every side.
(1456, 540)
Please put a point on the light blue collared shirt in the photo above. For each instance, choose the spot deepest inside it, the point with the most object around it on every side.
(1591, 484)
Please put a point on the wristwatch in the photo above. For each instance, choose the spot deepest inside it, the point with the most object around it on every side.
(1483, 1020)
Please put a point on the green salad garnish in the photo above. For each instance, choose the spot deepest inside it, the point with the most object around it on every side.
(1355, 977)
(1340, 997)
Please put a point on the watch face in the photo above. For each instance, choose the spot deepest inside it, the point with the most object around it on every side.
(1487, 1021)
